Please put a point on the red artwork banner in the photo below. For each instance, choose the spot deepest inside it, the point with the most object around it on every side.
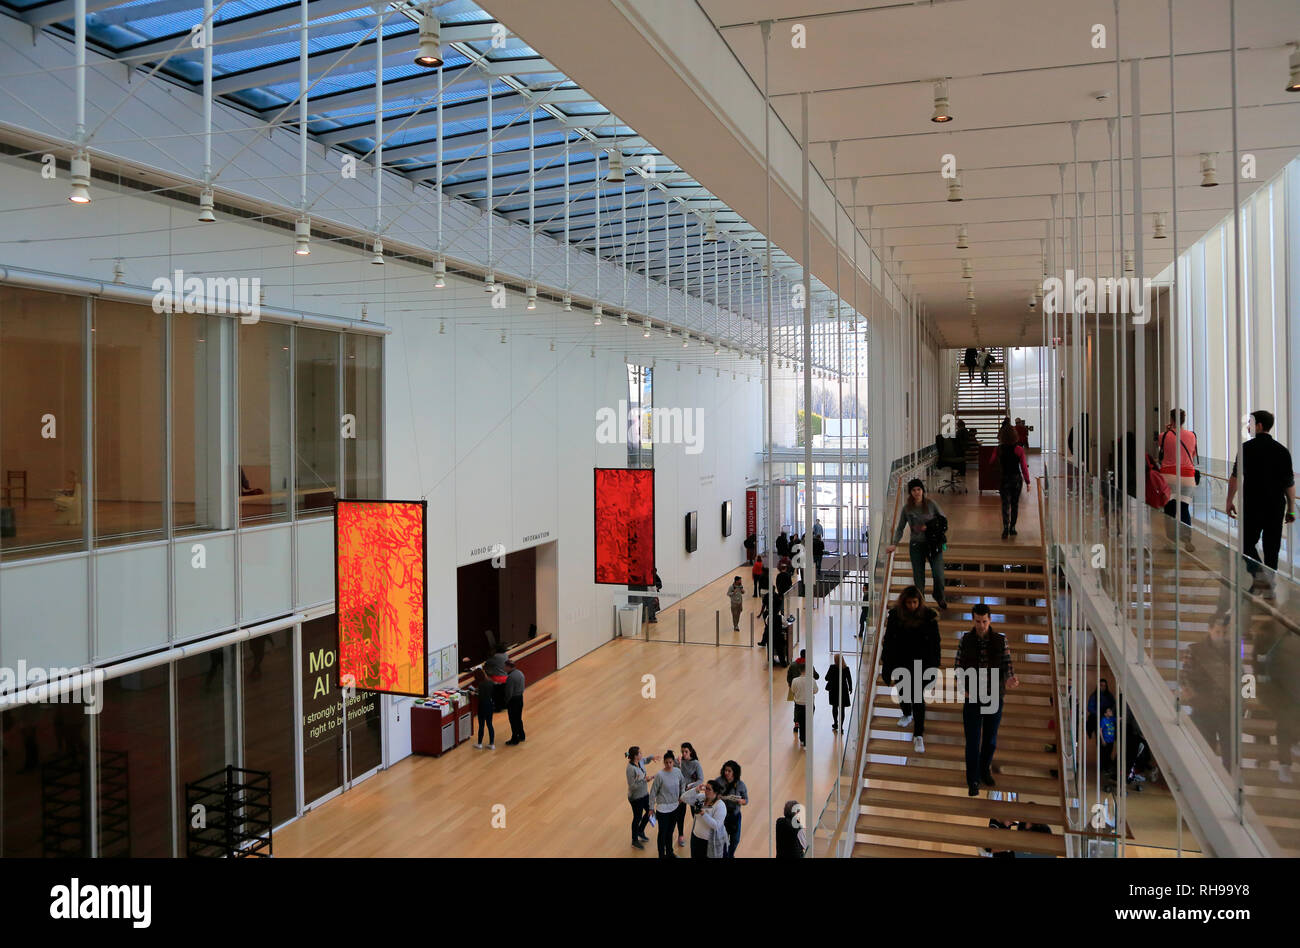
(379, 586)
(625, 526)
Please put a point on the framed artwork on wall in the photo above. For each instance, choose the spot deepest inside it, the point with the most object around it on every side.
(726, 518)
(625, 526)
(692, 531)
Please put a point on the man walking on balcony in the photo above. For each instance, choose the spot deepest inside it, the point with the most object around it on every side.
(984, 665)
(1270, 478)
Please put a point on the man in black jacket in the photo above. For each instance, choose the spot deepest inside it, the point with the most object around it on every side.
(984, 662)
(909, 655)
(1266, 466)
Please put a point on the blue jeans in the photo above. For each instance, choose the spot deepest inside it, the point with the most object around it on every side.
(733, 837)
(919, 558)
(981, 739)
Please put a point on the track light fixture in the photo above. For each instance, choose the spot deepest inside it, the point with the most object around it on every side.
(1293, 80)
(205, 206)
(954, 190)
(1128, 261)
(80, 193)
(686, 339)
(568, 303)
(429, 55)
(503, 337)
(1158, 226)
(439, 273)
(378, 258)
(119, 272)
(1209, 172)
(623, 319)
(668, 330)
(530, 295)
(967, 271)
(490, 282)
(941, 111)
(597, 311)
(710, 230)
(963, 239)
(615, 173)
(302, 236)
(972, 306)
(970, 292)
(645, 329)
(442, 327)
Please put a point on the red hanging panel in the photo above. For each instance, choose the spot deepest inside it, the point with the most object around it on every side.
(625, 526)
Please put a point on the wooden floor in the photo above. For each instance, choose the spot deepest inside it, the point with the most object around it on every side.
(564, 789)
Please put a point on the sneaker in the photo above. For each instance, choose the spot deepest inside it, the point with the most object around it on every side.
(905, 721)
(1013, 531)
(918, 744)
(681, 840)
(478, 747)
(1284, 774)
(492, 747)
(637, 844)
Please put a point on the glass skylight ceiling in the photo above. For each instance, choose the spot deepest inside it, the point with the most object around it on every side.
(255, 69)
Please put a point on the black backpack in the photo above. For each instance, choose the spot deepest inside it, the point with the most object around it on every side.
(936, 534)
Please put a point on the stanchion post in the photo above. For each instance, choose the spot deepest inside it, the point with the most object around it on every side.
(681, 626)
(717, 626)
(751, 630)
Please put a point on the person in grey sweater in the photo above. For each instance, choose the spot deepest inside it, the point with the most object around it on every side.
(665, 793)
(638, 794)
(514, 689)
(692, 774)
(918, 513)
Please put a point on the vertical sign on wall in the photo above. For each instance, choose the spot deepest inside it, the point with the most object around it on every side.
(379, 588)
(751, 513)
(625, 526)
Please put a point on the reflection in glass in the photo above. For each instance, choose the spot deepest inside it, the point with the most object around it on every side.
(135, 766)
(363, 397)
(42, 417)
(263, 422)
(322, 734)
(45, 789)
(269, 718)
(200, 356)
(205, 721)
(317, 422)
(130, 471)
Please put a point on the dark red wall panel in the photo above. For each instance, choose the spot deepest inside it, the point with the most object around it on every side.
(625, 526)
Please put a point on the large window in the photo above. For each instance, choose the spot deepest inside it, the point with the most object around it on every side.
(269, 719)
(130, 423)
(363, 400)
(264, 424)
(135, 766)
(200, 421)
(640, 420)
(317, 424)
(42, 422)
(206, 725)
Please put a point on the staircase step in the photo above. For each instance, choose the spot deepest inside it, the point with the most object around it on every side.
(1008, 811)
(912, 773)
(957, 752)
(980, 836)
(879, 851)
(1040, 736)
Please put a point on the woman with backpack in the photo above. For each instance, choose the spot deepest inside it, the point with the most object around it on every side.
(920, 514)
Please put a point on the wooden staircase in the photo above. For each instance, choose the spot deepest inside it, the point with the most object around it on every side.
(982, 406)
(916, 804)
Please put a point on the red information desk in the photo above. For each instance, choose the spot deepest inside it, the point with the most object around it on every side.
(436, 730)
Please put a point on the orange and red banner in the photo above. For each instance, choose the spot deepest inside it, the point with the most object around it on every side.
(379, 587)
(625, 526)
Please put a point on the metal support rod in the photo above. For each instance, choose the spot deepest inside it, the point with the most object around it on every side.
(303, 17)
(810, 565)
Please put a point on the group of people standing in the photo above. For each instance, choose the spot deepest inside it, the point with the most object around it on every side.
(500, 685)
(664, 798)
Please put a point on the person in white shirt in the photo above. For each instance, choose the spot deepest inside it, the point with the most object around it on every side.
(803, 688)
(709, 833)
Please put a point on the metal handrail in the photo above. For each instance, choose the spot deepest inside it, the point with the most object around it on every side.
(869, 682)
(1061, 706)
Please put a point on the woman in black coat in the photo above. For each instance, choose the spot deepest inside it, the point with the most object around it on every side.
(910, 648)
(791, 840)
(839, 688)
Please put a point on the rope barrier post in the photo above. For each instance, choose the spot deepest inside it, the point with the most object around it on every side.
(751, 630)
(717, 626)
(681, 626)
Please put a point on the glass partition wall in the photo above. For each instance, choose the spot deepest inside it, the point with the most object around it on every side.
(1174, 569)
